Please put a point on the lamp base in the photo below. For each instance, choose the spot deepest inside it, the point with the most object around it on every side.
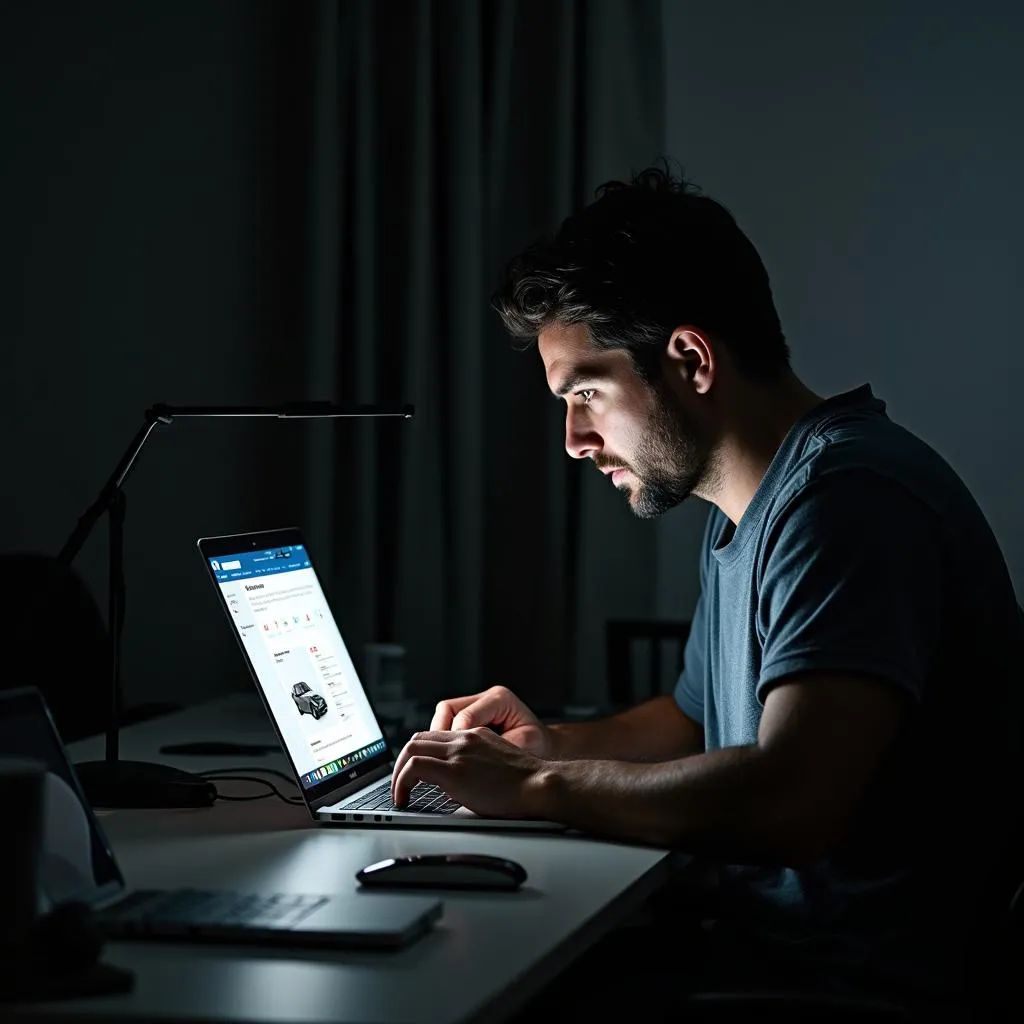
(142, 784)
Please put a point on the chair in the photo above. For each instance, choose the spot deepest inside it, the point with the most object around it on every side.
(664, 642)
(57, 641)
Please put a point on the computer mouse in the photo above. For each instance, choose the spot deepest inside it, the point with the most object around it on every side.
(444, 871)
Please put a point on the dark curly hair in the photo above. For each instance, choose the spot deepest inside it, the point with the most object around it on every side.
(644, 258)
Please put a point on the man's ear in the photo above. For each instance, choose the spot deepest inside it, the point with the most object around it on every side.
(691, 355)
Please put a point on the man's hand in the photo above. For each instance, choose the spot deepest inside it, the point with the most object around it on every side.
(480, 770)
(498, 707)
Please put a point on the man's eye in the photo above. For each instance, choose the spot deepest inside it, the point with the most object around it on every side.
(586, 394)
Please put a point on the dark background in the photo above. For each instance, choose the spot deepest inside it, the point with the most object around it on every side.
(155, 245)
(873, 153)
(154, 249)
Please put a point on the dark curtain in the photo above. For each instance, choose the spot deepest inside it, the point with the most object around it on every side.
(446, 136)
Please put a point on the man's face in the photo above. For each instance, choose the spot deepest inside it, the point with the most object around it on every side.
(641, 436)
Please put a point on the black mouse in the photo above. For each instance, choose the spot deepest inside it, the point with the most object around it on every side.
(444, 871)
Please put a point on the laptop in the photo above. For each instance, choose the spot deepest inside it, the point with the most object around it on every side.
(77, 863)
(320, 709)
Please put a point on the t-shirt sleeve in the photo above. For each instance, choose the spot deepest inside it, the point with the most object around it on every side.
(850, 580)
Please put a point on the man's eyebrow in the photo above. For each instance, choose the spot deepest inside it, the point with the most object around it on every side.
(579, 375)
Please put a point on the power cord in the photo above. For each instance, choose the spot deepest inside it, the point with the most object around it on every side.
(250, 768)
(232, 775)
(274, 791)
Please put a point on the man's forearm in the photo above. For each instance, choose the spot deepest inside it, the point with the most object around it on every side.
(734, 804)
(656, 730)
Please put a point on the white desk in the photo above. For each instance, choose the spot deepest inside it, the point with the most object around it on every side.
(484, 959)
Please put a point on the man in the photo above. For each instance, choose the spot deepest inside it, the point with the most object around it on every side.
(841, 739)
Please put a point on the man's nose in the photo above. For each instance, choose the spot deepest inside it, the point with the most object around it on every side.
(581, 440)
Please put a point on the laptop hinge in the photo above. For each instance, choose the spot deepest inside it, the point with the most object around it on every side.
(339, 794)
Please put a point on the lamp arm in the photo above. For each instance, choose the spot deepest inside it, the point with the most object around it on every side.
(167, 413)
(288, 411)
(108, 493)
(111, 781)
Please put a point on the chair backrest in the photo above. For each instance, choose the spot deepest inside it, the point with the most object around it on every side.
(58, 641)
(644, 658)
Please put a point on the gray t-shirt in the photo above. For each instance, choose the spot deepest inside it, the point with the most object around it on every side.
(862, 551)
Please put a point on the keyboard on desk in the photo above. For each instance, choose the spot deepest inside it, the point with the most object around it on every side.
(424, 799)
(173, 911)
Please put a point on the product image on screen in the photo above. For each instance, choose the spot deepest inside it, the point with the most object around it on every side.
(308, 702)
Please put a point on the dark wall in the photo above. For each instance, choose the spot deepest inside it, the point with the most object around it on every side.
(874, 154)
(152, 202)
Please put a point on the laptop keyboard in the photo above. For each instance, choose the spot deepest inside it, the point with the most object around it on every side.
(159, 909)
(424, 798)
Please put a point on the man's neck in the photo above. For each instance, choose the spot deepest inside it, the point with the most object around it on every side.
(761, 419)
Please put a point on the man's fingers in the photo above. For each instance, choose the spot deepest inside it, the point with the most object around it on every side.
(489, 708)
(419, 768)
(446, 710)
(423, 744)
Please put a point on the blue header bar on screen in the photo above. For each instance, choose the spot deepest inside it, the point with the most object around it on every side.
(246, 564)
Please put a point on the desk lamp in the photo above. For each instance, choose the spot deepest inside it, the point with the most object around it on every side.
(113, 782)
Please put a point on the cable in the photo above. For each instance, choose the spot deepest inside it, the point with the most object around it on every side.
(274, 791)
(256, 796)
(230, 775)
(259, 770)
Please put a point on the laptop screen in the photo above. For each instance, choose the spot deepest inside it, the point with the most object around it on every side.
(76, 861)
(300, 661)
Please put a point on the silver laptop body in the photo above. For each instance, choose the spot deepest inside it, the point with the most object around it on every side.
(340, 810)
(319, 708)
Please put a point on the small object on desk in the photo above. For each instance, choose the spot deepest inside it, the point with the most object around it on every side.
(60, 959)
(42, 985)
(219, 748)
(142, 784)
(444, 871)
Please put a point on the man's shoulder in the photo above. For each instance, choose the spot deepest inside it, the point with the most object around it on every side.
(869, 459)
